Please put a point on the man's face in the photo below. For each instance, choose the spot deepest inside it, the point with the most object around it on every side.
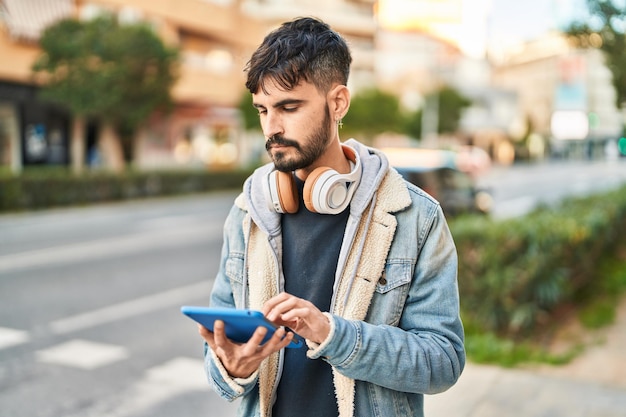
(296, 124)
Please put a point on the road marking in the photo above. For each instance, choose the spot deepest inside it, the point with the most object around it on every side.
(170, 222)
(82, 354)
(186, 373)
(12, 337)
(175, 297)
(160, 384)
(109, 247)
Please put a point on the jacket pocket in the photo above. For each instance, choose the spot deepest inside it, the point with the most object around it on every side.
(234, 271)
(234, 267)
(391, 292)
(395, 274)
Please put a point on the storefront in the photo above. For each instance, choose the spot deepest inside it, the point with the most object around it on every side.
(32, 132)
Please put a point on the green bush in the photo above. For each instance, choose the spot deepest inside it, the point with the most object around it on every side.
(514, 274)
(45, 188)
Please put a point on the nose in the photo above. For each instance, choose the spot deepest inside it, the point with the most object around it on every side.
(271, 125)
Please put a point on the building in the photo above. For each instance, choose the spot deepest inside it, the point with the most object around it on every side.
(215, 40)
(565, 94)
(215, 37)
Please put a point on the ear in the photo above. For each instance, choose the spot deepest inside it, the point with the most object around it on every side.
(338, 101)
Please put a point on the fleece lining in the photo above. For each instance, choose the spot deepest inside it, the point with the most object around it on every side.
(353, 294)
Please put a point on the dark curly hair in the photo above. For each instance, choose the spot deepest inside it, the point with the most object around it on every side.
(305, 49)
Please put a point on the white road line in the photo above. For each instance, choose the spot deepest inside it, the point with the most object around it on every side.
(12, 337)
(175, 297)
(82, 354)
(187, 373)
(159, 384)
(109, 247)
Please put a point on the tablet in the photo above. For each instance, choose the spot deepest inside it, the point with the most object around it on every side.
(239, 324)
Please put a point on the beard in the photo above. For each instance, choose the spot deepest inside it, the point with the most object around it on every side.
(306, 154)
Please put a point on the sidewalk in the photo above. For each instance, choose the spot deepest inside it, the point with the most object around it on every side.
(593, 385)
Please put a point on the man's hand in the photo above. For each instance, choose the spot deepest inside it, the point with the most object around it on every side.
(242, 359)
(299, 315)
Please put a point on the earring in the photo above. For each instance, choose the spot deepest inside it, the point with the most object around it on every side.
(340, 123)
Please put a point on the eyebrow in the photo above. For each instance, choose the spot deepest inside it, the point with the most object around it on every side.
(281, 103)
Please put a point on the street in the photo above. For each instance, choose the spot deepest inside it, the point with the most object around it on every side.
(521, 187)
(90, 321)
(90, 297)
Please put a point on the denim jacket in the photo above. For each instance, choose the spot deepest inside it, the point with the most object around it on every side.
(395, 332)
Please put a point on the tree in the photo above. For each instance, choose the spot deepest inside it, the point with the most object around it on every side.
(119, 74)
(450, 106)
(249, 114)
(373, 112)
(605, 29)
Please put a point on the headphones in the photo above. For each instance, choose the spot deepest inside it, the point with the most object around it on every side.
(325, 190)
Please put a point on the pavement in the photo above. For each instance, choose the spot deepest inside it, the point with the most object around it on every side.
(592, 385)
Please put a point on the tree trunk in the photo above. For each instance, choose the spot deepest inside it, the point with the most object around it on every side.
(77, 145)
(110, 148)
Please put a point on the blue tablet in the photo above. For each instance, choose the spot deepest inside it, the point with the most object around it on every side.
(240, 324)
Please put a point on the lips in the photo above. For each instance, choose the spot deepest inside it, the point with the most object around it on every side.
(278, 142)
(277, 147)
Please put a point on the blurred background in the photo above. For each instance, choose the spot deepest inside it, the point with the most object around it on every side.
(512, 114)
(521, 81)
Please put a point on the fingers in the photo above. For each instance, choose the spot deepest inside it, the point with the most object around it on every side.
(301, 316)
(242, 359)
(218, 337)
(207, 335)
(276, 307)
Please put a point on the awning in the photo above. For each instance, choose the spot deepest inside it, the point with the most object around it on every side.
(26, 19)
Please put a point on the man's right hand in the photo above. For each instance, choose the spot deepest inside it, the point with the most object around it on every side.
(242, 359)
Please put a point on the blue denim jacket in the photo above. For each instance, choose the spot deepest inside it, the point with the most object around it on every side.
(409, 343)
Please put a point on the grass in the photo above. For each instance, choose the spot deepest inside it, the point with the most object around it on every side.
(489, 348)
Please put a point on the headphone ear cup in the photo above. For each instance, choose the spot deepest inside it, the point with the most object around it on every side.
(287, 192)
(309, 192)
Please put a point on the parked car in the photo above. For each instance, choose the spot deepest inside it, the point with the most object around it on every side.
(437, 172)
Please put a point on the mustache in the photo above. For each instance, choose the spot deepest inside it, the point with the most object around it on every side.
(280, 141)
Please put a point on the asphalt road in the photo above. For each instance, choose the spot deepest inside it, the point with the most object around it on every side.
(90, 297)
(89, 309)
(521, 187)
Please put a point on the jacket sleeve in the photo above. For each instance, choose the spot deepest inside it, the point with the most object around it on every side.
(425, 350)
(228, 281)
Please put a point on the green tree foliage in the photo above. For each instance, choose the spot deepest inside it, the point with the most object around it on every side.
(116, 73)
(372, 112)
(249, 115)
(608, 20)
(413, 124)
(450, 107)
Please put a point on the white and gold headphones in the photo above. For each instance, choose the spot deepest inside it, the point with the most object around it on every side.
(325, 190)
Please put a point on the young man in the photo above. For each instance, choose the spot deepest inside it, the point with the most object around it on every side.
(332, 243)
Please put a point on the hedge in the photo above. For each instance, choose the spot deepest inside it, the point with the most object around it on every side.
(41, 189)
(515, 274)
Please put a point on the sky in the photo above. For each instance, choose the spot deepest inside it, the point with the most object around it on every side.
(517, 20)
(482, 24)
